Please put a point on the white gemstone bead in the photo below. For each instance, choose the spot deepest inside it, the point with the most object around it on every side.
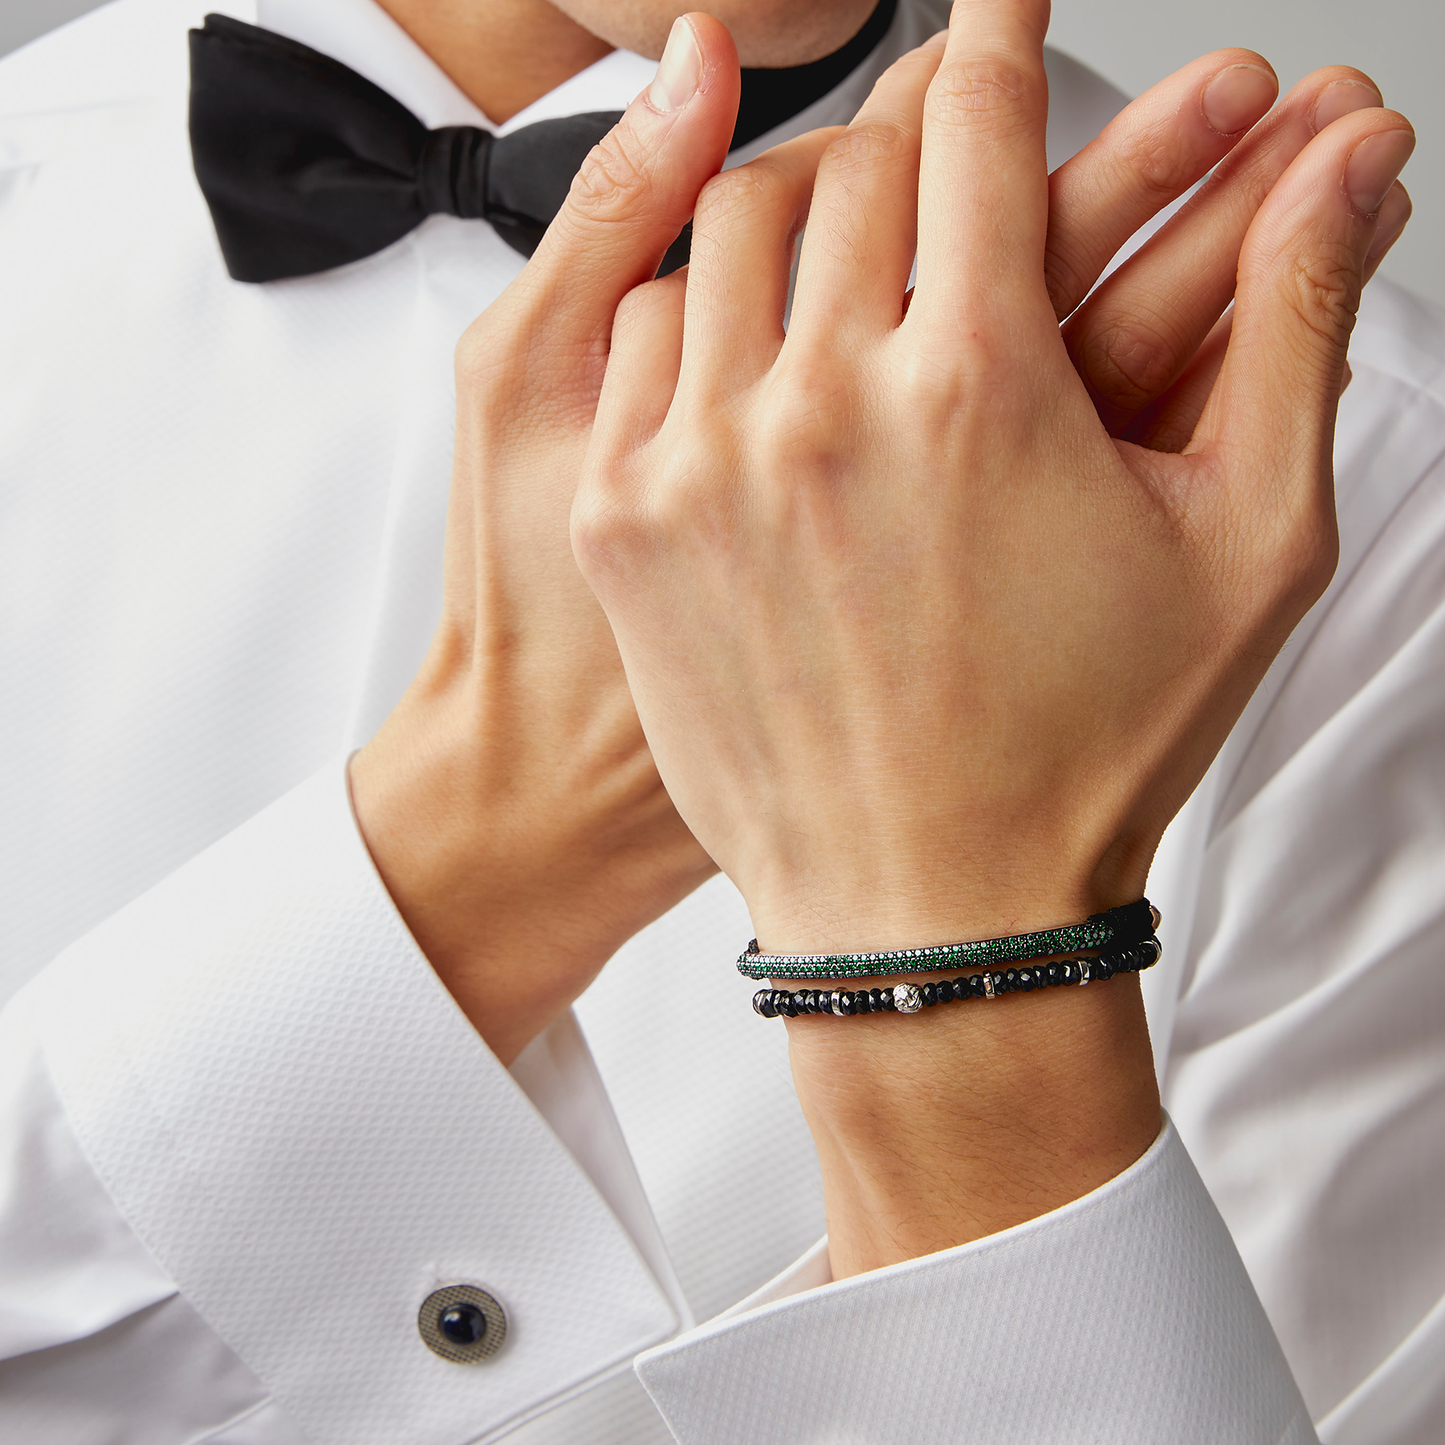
(906, 998)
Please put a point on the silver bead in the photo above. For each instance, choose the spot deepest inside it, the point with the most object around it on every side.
(1085, 972)
(906, 998)
(989, 991)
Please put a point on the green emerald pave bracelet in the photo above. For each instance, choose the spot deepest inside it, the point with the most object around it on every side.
(1130, 923)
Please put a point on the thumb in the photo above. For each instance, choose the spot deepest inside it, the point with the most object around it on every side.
(637, 189)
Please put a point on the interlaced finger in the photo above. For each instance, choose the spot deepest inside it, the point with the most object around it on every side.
(863, 225)
(744, 234)
(1135, 335)
(1145, 158)
(1270, 417)
(983, 178)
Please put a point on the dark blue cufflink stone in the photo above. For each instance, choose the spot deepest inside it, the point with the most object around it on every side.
(462, 1324)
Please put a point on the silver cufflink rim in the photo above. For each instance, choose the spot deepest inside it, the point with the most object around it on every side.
(428, 1323)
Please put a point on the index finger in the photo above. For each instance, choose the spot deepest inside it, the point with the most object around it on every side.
(983, 186)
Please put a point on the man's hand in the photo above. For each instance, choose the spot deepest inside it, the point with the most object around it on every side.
(922, 650)
(510, 801)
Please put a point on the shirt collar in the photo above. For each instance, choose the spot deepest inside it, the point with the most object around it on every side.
(359, 33)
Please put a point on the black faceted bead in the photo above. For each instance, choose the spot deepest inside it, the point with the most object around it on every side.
(1104, 967)
(885, 997)
(1026, 979)
(1126, 961)
(930, 994)
(787, 1004)
(462, 1324)
(763, 1003)
(977, 986)
(875, 1000)
(961, 990)
(1070, 971)
(1053, 975)
(1010, 980)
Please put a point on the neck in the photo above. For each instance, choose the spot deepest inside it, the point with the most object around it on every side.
(502, 55)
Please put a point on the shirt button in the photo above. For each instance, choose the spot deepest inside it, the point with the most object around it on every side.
(462, 1323)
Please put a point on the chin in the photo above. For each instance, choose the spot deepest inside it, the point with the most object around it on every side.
(769, 34)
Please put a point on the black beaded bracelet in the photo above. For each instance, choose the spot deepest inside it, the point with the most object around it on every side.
(909, 998)
(1128, 924)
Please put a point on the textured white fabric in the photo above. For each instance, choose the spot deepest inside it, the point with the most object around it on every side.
(223, 510)
(1124, 1316)
(270, 975)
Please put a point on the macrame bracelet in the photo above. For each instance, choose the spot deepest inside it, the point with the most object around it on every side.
(1130, 923)
(909, 998)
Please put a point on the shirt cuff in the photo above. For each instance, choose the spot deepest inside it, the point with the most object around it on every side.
(305, 1132)
(1126, 1315)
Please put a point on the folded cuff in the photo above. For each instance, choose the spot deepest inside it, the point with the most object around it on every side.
(1126, 1315)
(309, 1137)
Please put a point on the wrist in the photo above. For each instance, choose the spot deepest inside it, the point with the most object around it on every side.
(519, 868)
(946, 1126)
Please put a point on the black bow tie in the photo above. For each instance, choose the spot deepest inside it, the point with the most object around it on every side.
(307, 165)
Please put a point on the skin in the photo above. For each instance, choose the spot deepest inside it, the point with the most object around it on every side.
(513, 803)
(504, 54)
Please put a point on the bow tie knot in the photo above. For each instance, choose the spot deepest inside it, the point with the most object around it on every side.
(451, 172)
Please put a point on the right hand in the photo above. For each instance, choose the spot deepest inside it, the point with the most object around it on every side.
(923, 651)
(510, 802)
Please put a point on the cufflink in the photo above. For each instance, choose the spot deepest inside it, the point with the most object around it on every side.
(462, 1323)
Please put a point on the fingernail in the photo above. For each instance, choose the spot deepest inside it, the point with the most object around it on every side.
(1237, 97)
(677, 73)
(1373, 166)
(1394, 213)
(1340, 97)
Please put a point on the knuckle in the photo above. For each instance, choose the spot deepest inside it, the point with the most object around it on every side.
(477, 356)
(810, 417)
(607, 530)
(861, 148)
(738, 194)
(1155, 164)
(611, 184)
(1306, 552)
(983, 91)
(1129, 361)
(1324, 291)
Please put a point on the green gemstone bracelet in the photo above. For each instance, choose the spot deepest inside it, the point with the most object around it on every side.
(1128, 924)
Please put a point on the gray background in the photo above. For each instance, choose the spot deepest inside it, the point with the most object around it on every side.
(1400, 43)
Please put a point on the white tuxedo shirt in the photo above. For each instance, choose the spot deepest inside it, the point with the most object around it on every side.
(243, 1130)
